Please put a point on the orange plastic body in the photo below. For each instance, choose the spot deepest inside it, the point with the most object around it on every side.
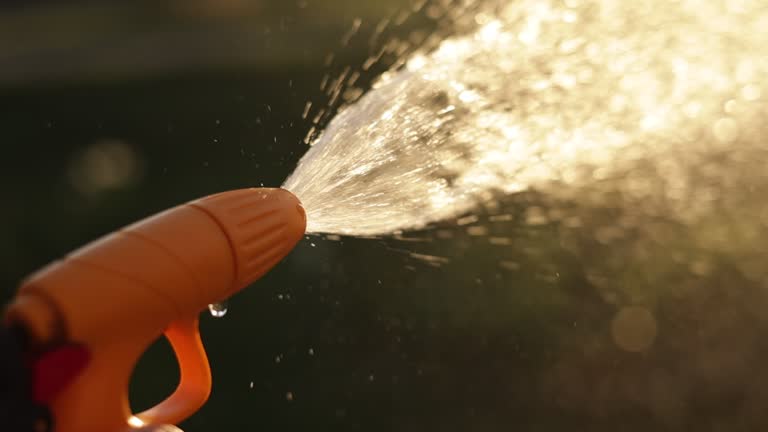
(120, 293)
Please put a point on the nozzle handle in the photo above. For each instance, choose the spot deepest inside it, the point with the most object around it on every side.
(118, 294)
(195, 382)
(98, 399)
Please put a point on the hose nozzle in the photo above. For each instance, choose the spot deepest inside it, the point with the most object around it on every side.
(116, 295)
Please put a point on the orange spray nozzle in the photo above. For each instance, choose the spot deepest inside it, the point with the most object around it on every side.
(118, 294)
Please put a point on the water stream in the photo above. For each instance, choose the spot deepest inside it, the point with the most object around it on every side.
(606, 158)
(657, 105)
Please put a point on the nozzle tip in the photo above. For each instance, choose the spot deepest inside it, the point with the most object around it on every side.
(263, 225)
(293, 214)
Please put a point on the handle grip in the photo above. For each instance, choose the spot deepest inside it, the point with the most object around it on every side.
(195, 382)
(97, 401)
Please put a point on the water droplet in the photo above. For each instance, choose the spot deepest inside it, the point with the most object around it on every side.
(501, 218)
(509, 265)
(500, 241)
(218, 310)
(466, 220)
(726, 130)
(477, 231)
(751, 92)
(634, 329)
(700, 267)
(535, 216)
(692, 109)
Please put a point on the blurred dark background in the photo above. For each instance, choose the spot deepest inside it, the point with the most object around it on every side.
(113, 110)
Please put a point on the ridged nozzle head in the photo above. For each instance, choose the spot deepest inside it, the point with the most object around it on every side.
(263, 225)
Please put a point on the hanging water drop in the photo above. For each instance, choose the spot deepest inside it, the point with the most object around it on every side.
(218, 310)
